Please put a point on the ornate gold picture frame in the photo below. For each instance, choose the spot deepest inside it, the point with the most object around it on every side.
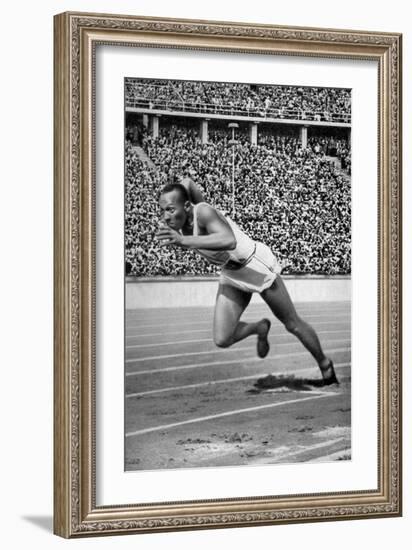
(77, 512)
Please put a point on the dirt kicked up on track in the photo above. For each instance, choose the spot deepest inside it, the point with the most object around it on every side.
(189, 404)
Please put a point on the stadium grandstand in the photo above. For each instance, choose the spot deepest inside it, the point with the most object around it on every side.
(247, 100)
(276, 159)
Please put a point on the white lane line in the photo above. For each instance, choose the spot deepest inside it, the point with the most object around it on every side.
(276, 324)
(225, 381)
(171, 342)
(228, 362)
(247, 318)
(319, 395)
(178, 342)
(208, 352)
(308, 448)
(194, 313)
(338, 455)
(323, 304)
(156, 334)
(158, 325)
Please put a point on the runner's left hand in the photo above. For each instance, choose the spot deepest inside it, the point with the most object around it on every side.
(167, 236)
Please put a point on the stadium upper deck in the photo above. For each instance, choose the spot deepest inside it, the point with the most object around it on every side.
(254, 101)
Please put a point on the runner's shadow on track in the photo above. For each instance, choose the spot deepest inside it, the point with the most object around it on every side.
(285, 383)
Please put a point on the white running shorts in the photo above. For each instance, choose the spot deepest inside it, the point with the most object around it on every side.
(257, 275)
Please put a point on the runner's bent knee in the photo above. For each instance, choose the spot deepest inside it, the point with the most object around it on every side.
(223, 340)
(293, 325)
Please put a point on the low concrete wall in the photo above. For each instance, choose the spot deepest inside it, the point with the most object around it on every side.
(201, 291)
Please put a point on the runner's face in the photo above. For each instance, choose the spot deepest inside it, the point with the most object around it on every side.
(173, 210)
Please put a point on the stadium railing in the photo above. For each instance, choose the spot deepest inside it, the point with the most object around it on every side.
(233, 110)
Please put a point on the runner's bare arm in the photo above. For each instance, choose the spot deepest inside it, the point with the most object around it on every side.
(218, 233)
(194, 191)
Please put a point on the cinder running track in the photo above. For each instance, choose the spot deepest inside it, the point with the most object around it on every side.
(189, 404)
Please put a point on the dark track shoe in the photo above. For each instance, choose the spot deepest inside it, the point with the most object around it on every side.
(329, 375)
(263, 346)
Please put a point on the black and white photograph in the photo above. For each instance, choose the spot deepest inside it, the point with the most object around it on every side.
(237, 274)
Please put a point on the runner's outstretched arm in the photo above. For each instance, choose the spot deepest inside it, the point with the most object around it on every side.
(218, 233)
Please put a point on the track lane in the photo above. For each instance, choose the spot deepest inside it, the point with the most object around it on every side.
(207, 394)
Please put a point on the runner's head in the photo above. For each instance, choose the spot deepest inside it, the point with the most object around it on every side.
(174, 205)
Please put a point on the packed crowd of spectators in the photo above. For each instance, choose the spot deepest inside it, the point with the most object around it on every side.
(293, 199)
(274, 101)
(334, 147)
(144, 257)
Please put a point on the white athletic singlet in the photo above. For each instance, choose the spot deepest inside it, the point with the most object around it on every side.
(245, 246)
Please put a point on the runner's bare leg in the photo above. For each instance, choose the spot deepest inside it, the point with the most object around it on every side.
(227, 327)
(278, 299)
